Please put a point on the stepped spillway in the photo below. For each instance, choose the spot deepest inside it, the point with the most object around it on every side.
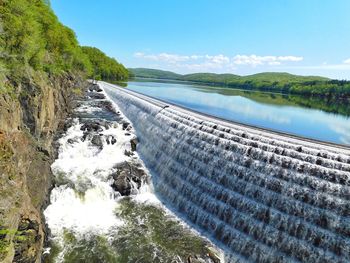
(264, 196)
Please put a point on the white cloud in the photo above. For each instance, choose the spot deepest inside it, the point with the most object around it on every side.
(254, 60)
(218, 59)
(173, 58)
(215, 63)
(195, 57)
(189, 62)
(166, 57)
(347, 61)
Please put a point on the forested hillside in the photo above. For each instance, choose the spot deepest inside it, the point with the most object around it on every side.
(104, 67)
(269, 81)
(34, 42)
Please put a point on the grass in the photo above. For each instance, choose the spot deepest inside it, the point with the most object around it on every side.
(77, 91)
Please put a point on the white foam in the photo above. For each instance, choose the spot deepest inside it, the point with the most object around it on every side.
(85, 202)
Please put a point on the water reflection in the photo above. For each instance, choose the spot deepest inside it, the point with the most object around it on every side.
(310, 117)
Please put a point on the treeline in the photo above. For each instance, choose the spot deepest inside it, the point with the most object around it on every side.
(104, 67)
(33, 40)
(275, 82)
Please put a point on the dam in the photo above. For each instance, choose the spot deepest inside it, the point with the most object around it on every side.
(262, 196)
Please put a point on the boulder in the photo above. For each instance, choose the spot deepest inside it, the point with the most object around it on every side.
(128, 153)
(133, 143)
(97, 141)
(91, 126)
(122, 184)
(95, 125)
(96, 96)
(71, 141)
(111, 139)
(127, 175)
(126, 126)
(67, 124)
(106, 105)
(94, 87)
(85, 136)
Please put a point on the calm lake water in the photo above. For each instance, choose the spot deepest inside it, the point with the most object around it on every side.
(312, 118)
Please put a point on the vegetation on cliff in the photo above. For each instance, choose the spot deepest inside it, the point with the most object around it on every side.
(33, 41)
(104, 67)
(41, 66)
(271, 81)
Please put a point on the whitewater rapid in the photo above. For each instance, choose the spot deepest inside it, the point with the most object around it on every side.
(83, 200)
(83, 203)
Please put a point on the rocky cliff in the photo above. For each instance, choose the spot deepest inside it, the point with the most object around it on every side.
(30, 118)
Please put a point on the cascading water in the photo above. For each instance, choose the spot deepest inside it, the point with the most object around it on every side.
(264, 197)
(102, 207)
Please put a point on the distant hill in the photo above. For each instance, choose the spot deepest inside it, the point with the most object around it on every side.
(223, 78)
(154, 73)
(268, 81)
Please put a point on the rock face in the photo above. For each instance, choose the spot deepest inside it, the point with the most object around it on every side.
(28, 125)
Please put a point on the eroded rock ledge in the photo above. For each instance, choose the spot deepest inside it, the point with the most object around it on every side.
(28, 124)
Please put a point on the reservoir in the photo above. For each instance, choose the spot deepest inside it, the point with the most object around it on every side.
(313, 118)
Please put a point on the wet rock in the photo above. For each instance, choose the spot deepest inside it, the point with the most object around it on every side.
(106, 105)
(96, 96)
(134, 143)
(94, 87)
(97, 141)
(71, 141)
(127, 175)
(128, 153)
(299, 149)
(122, 184)
(111, 139)
(126, 126)
(95, 125)
(85, 136)
(67, 124)
(195, 259)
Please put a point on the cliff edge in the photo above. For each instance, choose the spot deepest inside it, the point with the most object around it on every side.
(28, 125)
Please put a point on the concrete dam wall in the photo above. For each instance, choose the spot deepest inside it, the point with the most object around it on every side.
(262, 196)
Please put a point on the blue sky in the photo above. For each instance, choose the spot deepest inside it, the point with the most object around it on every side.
(308, 37)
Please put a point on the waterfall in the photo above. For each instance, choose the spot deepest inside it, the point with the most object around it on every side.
(264, 197)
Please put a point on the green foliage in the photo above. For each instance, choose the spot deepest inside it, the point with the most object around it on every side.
(5, 242)
(104, 67)
(33, 41)
(154, 73)
(33, 38)
(271, 81)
